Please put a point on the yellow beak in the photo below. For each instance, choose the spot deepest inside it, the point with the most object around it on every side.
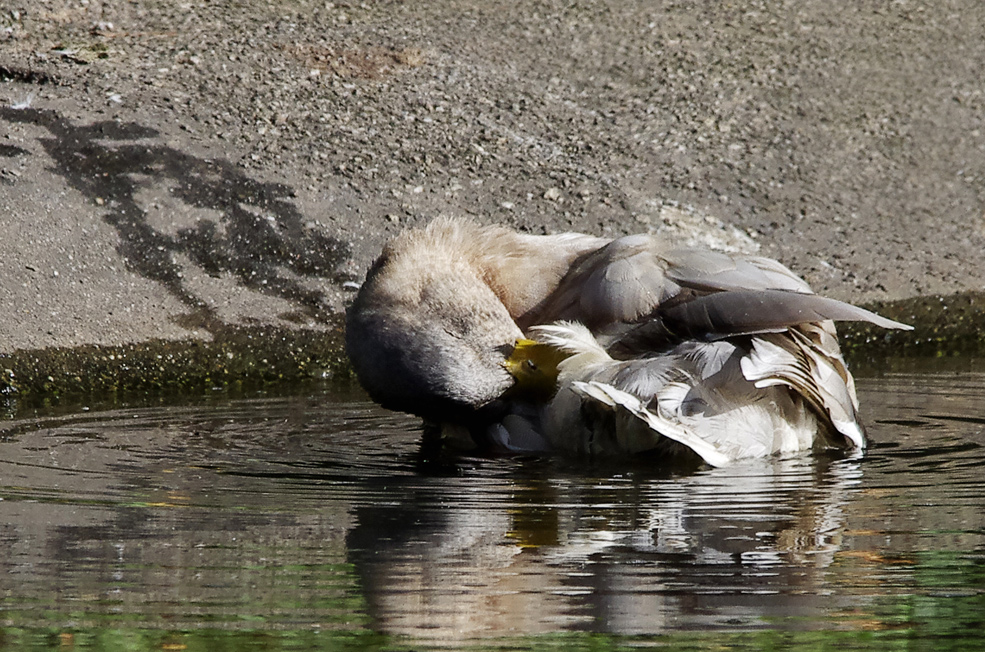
(534, 366)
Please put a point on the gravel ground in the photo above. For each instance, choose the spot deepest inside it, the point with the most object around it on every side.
(171, 170)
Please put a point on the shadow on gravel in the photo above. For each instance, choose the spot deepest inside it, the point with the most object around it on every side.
(260, 237)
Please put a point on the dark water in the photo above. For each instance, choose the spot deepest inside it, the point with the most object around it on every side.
(314, 522)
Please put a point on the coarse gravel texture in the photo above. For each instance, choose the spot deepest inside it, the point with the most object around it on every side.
(170, 171)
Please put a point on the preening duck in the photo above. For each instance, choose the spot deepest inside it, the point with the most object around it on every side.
(671, 351)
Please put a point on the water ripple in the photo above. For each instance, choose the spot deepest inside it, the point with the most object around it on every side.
(322, 510)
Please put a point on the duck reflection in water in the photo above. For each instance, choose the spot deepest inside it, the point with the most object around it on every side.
(625, 554)
(636, 347)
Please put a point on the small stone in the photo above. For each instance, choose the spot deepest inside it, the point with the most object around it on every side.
(552, 194)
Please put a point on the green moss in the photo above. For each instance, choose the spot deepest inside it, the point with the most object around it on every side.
(240, 359)
(237, 359)
(943, 326)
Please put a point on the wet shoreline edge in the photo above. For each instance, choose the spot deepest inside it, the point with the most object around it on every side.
(240, 359)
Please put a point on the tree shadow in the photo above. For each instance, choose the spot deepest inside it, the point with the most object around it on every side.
(260, 237)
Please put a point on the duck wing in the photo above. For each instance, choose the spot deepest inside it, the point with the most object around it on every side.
(692, 293)
(760, 311)
(620, 282)
(731, 313)
(714, 271)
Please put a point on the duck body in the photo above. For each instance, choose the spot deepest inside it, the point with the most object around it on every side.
(702, 400)
(672, 352)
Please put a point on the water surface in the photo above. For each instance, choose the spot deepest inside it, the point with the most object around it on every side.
(315, 521)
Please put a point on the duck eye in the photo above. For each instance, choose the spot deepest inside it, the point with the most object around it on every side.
(531, 365)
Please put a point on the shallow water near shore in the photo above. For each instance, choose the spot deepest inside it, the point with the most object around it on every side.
(316, 522)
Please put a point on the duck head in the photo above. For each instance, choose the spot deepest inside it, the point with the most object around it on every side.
(429, 337)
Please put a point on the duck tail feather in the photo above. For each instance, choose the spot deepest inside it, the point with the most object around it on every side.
(819, 376)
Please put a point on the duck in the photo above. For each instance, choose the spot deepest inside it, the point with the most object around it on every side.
(597, 347)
